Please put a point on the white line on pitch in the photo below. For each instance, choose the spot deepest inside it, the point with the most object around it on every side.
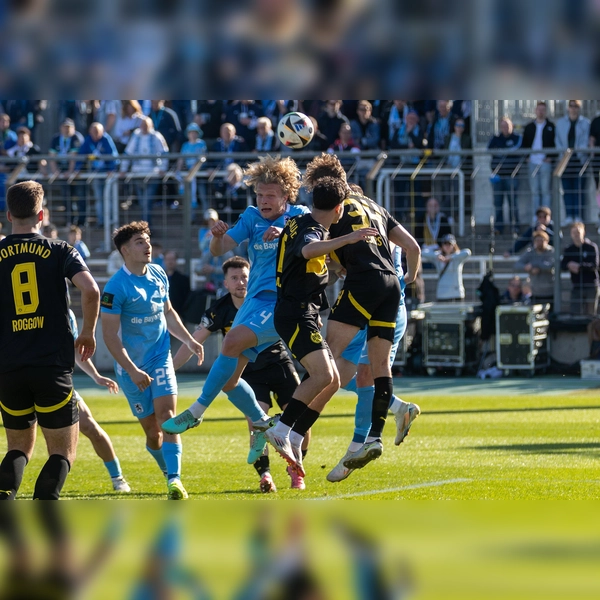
(414, 486)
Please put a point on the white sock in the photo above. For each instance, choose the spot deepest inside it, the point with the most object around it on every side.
(354, 446)
(197, 409)
(396, 405)
(370, 438)
(296, 439)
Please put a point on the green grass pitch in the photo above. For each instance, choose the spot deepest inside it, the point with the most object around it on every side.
(507, 439)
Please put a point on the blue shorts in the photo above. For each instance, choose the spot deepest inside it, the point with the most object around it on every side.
(257, 314)
(356, 351)
(163, 383)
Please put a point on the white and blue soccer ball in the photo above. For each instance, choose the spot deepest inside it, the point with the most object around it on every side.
(295, 130)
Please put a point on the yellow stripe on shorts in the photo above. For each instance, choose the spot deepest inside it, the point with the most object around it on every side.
(49, 409)
(293, 338)
(357, 306)
(382, 324)
(17, 413)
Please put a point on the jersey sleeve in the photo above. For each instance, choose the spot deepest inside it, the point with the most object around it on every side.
(73, 263)
(391, 221)
(310, 235)
(242, 230)
(112, 298)
(210, 319)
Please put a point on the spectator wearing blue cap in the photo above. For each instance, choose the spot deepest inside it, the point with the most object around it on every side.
(194, 146)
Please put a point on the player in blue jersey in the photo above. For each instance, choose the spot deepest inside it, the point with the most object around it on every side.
(276, 183)
(89, 426)
(137, 317)
(355, 370)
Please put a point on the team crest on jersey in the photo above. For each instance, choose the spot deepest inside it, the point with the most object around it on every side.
(316, 337)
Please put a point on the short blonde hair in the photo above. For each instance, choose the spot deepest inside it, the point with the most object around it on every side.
(281, 171)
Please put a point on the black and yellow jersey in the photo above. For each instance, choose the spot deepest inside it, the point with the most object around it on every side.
(34, 316)
(220, 316)
(372, 253)
(299, 279)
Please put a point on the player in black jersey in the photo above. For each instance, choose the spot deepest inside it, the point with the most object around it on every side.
(37, 354)
(272, 372)
(301, 280)
(371, 292)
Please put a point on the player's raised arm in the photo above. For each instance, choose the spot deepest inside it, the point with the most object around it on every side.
(221, 242)
(399, 236)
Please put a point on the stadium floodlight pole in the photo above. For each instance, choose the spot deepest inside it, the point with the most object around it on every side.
(373, 171)
(558, 171)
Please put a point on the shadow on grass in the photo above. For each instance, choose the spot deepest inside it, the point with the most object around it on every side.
(582, 448)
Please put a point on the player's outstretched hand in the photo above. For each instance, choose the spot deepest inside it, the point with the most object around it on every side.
(197, 349)
(272, 233)
(219, 229)
(86, 346)
(113, 386)
(141, 379)
(361, 234)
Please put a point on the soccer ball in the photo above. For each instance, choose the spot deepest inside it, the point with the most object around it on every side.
(295, 130)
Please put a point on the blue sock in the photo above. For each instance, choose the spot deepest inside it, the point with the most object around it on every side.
(351, 386)
(220, 373)
(114, 468)
(157, 455)
(172, 454)
(242, 396)
(362, 416)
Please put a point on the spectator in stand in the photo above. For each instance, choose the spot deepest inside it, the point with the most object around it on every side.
(435, 225)
(365, 129)
(503, 166)
(107, 112)
(179, 284)
(232, 195)
(166, 122)
(74, 238)
(195, 146)
(210, 266)
(229, 142)
(265, 139)
(543, 223)
(457, 140)
(582, 261)
(594, 143)
(344, 142)
(393, 116)
(146, 140)
(538, 263)
(515, 293)
(448, 261)
(25, 148)
(573, 131)
(114, 262)
(8, 137)
(331, 120)
(96, 143)
(538, 135)
(210, 117)
(64, 146)
(442, 126)
(129, 120)
(409, 204)
(244, 114)
(25, 113)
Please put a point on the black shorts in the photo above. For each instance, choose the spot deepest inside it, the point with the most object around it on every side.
(280, 378)
(370, 301)
(43, 394)
(299, 330)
